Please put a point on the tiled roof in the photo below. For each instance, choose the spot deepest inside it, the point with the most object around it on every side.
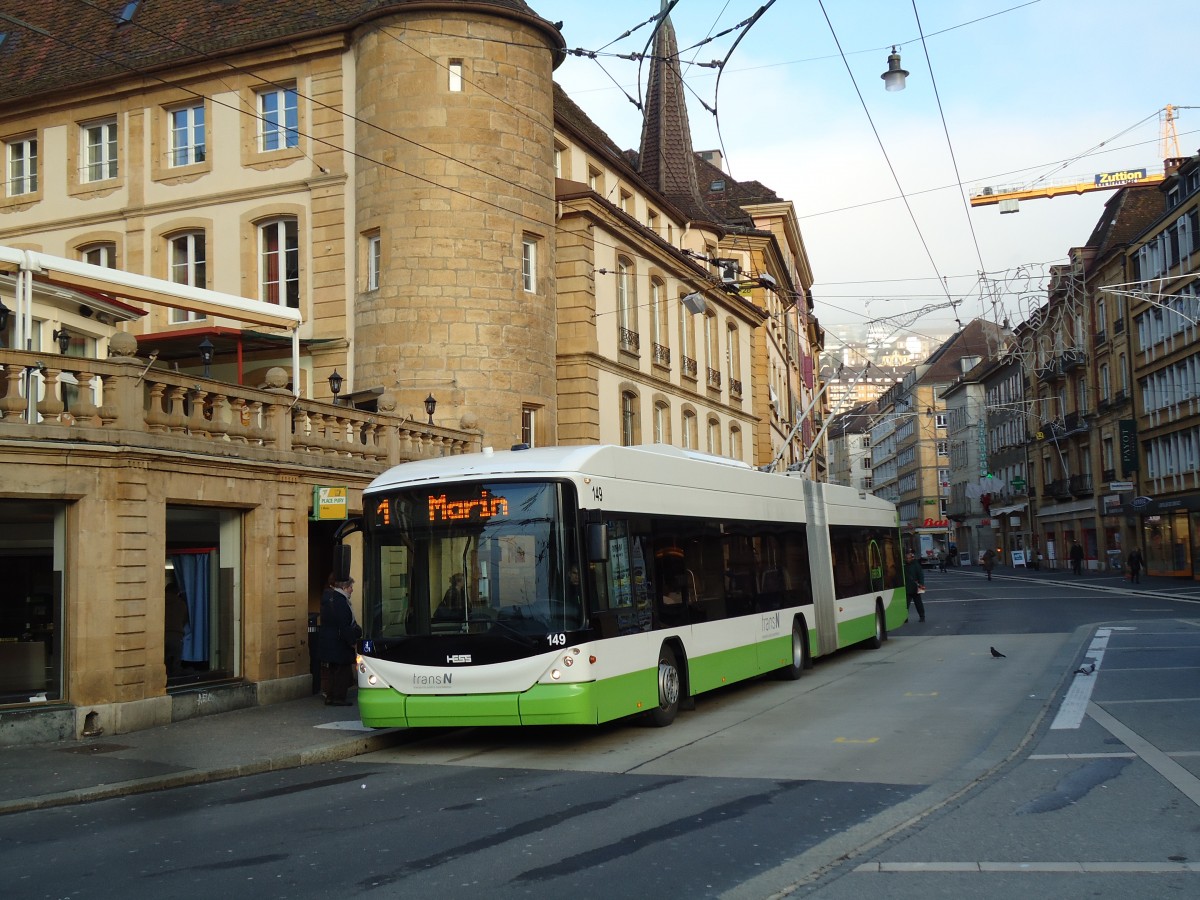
(1126, 215)
(730, 200)
(568, 112)
(48, 49)
(977, 338)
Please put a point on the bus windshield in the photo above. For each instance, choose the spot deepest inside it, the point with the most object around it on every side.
(473, 558)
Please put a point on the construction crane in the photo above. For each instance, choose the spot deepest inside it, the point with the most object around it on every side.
(1009, 197)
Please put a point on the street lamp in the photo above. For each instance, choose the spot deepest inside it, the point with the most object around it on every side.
(206, 356)
(335, 385)
(430, 406)
(64, 340)
(893, 78)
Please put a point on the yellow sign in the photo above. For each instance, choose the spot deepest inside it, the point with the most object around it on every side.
(329, 504)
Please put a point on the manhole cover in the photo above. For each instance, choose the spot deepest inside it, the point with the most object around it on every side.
(89, 749)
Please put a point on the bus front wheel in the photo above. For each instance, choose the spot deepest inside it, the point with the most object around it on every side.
(668, 689)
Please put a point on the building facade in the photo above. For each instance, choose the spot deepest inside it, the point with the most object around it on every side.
(459, 258)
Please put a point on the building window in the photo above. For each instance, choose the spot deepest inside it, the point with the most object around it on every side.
(625, 298)
(186, 136)
(529, 264)
(735, 442)
(712, 342)
(374, 250)
(662, 423)
(685, 333)
(733, 353)
(22, 167)
(279, 262)
(689, 435)
(629, 422)
(101, 254)
(712, 439)
(529, 426)
(188, 265)
(278, 120)
(455, 67)
(595, 180)
(99, 146)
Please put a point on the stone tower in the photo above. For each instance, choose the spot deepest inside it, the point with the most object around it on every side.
(455, 175)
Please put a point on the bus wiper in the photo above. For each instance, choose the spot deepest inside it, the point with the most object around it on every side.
(524, 638)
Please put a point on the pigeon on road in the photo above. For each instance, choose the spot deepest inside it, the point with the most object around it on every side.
(1086, 670)
(997, 654)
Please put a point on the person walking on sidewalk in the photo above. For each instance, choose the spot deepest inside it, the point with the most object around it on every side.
(1134, 561)
(335, 641)
(914, 581)
(988, 558)
(1076, 558)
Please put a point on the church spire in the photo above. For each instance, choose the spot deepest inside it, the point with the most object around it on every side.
(666, 158)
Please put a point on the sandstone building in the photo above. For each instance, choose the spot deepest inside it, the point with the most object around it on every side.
(458, 256)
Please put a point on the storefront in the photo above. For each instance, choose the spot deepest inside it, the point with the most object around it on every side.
(1013, 533)
(1167, 532)
(1059, 526)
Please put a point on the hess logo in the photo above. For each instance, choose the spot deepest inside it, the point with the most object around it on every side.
(458, 658)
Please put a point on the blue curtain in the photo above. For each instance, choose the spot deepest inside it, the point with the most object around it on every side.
(192, 574)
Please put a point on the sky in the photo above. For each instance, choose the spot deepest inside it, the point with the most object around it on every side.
(1000, 93)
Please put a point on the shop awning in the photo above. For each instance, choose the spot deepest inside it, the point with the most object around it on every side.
(1008, 510)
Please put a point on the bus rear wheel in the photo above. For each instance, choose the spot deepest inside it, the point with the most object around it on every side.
(668, 689)
(799, 655)
(876, 640)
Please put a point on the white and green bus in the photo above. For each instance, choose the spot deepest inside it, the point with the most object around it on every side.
(576, 585)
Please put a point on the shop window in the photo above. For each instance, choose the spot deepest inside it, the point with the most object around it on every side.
(204, 565)
(32, 538)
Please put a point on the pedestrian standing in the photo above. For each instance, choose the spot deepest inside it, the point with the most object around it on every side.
(914, 581)
(1134, 561)
(336, 640)
(1076, 557)
(941, 560)
(988, 558)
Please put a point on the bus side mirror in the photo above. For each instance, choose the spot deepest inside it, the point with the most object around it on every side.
(341, 562)
(597, 542)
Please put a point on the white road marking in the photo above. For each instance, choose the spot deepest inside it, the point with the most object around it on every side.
(1075, 703)
(1187, 783)
(1079, 868)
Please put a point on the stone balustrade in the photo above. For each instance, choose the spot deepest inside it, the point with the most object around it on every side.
(126, 401)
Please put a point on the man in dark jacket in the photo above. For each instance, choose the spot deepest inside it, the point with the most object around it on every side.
(914, 581)
(336, 642)
(1077, 558)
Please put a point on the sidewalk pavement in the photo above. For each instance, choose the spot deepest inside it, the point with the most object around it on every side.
(193, 751)
(298, 732)
(1099, 578)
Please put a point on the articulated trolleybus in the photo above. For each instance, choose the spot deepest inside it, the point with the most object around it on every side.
(575, 585)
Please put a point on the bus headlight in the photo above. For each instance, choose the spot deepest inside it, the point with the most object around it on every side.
(371, 679)
(568, 661)
(555, 674)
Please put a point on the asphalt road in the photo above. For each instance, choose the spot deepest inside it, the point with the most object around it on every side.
(926, 768)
